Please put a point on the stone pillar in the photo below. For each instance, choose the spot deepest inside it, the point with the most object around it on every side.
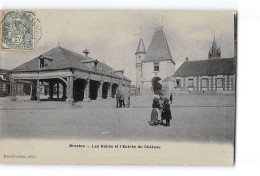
(58, 91)
(110, 92)
(212, 83)
(12, 90)
(64, 92)
(86, 91)
(100, 91)
(70, 80)
(228, 83)
(232, 83)
(38, 90)
(33, 94)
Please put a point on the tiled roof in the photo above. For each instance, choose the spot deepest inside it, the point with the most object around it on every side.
(63, 59)
(206, 67)
(4, 71)
(158, 49)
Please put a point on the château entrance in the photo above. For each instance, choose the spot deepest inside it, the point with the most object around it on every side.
(156, 85)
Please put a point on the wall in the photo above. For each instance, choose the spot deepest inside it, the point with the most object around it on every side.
(211, 85)
(166, 68)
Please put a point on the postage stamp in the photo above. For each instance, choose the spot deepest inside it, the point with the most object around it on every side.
(17, 30)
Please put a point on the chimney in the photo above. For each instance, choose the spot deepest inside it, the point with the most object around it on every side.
(186, 59)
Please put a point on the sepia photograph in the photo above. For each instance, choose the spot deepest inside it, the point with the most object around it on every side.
(118, 87)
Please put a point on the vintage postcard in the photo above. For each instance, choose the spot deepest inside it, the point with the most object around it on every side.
(118, 87)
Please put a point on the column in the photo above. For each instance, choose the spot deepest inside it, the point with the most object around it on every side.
(51, 90)
(38, 90)
(100, 90)
(33, 95)
(12, 90)
(110, 92)
(86, 91)
(70, 80)
(58, 91)
(228, 82)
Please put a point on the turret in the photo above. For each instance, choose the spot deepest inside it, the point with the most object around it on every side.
(140, 54)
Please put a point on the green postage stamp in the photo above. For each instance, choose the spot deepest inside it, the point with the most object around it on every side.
(17, 30)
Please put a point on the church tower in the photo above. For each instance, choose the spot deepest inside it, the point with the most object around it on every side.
(214, 51)
(140, 54)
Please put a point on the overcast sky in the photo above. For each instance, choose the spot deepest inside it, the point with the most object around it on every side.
(112, 36)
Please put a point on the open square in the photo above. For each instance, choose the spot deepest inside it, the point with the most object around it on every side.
(202, 118)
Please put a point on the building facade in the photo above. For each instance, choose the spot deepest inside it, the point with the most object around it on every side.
(21, 87)
(81, 77)
(154, 65)
(213, 75)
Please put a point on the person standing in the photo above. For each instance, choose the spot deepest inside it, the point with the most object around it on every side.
(118, 98)
(155, 114)
(171, 98)
(161, 103)
(166, 114)
(122, 100)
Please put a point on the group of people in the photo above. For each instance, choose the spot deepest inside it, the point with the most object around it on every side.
(161, 111)
(120, 100)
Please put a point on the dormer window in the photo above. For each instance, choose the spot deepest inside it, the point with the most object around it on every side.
(44, 61)
(42, 65)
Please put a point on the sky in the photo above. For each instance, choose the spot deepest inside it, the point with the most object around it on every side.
(112, 36)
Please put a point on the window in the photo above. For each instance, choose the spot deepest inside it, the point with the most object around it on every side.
(204, 82)
(190, 82)
(178, 83)
(156, 66)
(42, 63)
(219, 82)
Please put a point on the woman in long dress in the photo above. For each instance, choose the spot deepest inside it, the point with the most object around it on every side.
(155, 115)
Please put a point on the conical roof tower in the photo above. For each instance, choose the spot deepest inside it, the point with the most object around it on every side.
(158, 49)
(140, 47)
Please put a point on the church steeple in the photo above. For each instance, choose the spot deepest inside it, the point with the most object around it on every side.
(214, 51)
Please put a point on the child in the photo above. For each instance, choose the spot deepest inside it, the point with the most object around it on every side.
(155, 115)
(166, 114)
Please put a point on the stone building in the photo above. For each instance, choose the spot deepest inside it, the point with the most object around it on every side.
(213, 75)
(81, 77)
(21, 87)
(154, 65)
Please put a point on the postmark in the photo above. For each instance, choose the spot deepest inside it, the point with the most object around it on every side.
(18, 30)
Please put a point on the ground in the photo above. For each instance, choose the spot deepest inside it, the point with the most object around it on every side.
(202, 118)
